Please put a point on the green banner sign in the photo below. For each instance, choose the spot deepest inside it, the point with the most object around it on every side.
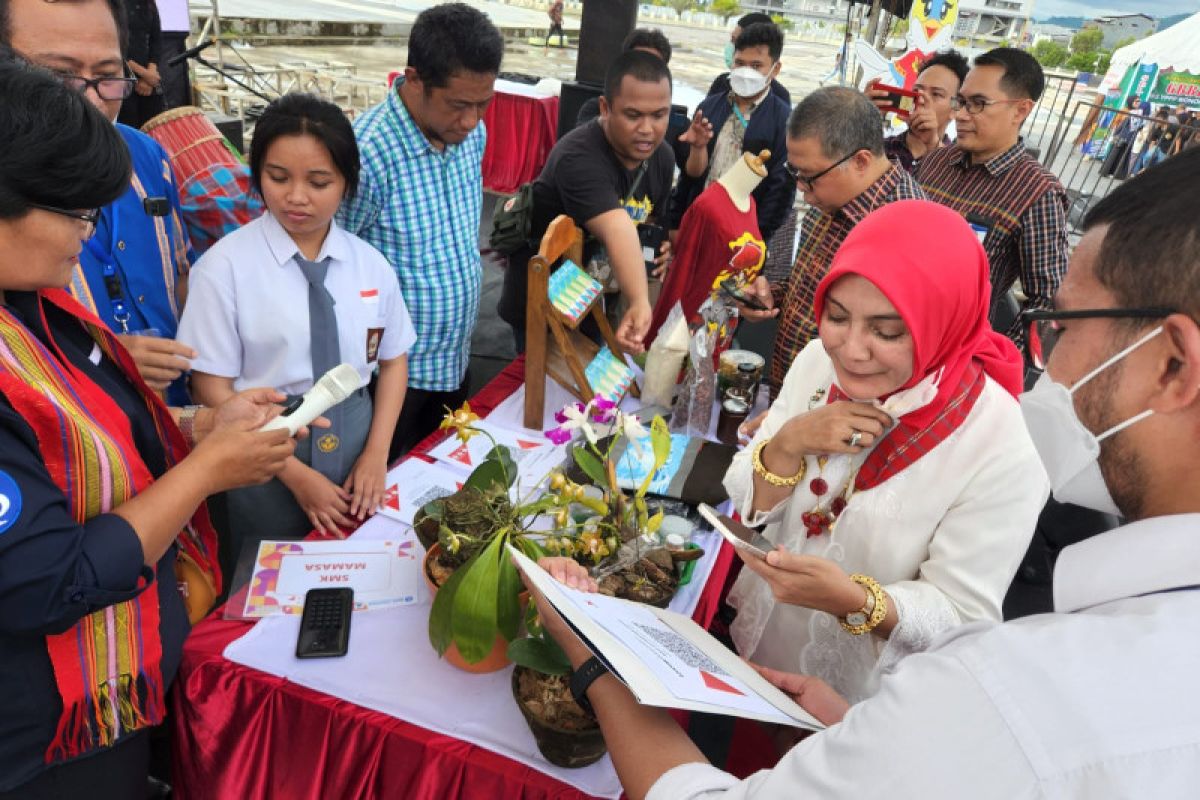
(1174, 88)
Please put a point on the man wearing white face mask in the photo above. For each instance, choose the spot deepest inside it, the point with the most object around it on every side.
(1093, 701)
(746, 118)
(720, 84)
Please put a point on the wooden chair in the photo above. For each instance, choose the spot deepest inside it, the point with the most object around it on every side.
(565, 353)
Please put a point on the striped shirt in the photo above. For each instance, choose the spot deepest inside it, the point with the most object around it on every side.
(1024, 209)
(820, 237)
(420, 207)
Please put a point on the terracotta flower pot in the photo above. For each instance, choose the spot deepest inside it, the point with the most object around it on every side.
(562, 747)
(497, 657)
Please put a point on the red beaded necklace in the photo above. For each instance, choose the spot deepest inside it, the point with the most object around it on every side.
(820, 520)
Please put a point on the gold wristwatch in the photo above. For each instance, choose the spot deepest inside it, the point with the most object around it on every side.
(873, 612)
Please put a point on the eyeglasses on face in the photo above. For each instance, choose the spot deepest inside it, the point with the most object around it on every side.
(113, 88)
(1044, 328)
(88, 218)
(806, 182)
(974, 105)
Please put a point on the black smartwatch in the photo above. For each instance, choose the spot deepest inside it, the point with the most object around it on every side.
(583, 678)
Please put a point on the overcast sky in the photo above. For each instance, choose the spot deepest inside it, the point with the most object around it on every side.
(1076, 8)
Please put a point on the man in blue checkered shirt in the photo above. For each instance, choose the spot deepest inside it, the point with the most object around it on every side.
(420, 195)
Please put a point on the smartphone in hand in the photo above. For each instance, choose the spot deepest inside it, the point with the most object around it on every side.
(745, 539)
(731, 290)
(651, 237)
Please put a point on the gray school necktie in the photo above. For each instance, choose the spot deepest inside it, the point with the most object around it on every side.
(326, 354)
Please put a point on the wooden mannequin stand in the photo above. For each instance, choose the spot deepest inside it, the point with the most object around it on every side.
(566, 352)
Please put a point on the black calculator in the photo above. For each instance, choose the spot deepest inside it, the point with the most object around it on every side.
(325, 626)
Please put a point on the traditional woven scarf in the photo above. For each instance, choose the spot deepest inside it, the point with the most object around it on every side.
(108, 666)
(929, 264)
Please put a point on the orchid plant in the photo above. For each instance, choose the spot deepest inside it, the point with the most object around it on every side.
(618, 518)
(480, 599)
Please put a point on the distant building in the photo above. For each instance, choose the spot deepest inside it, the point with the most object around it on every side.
(992, 20)
(1122, 26)
(1053, 33)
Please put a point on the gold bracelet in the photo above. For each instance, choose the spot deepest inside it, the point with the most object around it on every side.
(771, 477)
(872, 613)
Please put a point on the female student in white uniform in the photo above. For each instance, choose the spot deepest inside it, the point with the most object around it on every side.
(258, 315)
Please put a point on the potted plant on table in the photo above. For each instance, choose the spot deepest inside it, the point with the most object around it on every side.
(566, 734)
(627, 560)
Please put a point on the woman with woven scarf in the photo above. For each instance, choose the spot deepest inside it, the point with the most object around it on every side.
(893, 473)
(99, 493)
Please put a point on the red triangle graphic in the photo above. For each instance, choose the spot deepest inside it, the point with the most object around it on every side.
(391, 498)
(713, 682)
(462, 455)
(524, 445)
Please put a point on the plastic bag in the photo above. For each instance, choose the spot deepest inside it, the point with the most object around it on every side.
(665, 360)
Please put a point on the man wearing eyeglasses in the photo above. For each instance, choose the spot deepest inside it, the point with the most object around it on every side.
(133, 268)
(1017, 207)
(836, 157)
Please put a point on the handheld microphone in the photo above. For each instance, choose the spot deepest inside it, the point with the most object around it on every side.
(191, 51)
(334, 387)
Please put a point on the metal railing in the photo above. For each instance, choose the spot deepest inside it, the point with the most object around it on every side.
(1092, 149)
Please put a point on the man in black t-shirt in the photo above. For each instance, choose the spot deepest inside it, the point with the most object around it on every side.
(609, 176)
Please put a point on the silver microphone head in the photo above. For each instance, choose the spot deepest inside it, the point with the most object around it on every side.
(340, 382)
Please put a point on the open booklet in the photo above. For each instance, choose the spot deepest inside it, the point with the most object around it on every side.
(665, 658)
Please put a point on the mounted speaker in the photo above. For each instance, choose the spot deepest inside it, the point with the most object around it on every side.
(601, 31)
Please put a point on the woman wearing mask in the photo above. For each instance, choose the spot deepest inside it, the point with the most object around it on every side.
(100, 495)
(894, 472)
(747, 118)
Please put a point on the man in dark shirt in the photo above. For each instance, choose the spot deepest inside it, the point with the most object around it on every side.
(1017, 207)
(937, 83)
(591, 176)
(748, 118)
(143, 51)
(650, 40)
(720, 84)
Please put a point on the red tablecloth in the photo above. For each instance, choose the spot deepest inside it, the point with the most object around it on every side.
(240, 733)
(520, 133)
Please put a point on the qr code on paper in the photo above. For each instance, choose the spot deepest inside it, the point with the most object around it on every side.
(682, 649)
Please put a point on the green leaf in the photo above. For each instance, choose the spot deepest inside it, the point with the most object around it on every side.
(660, 440)
(532, 549)
(539, 506)
(501, 455)
(591, 466)
(440, 617)
(540, 655)
(485, 476)
(508, 606)
(473, 618)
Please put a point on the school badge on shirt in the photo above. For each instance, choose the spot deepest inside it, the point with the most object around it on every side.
(328, 443)
(374, 337)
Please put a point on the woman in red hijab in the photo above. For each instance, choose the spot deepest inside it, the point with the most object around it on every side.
(894, 472)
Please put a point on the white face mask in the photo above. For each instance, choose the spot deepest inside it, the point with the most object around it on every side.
(1069, 451)
(747, 82)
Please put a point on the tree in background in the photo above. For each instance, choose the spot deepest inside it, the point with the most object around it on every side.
(681, 6)
(1087, 40)
(725, 9)
(783, 22)
(1050, 54)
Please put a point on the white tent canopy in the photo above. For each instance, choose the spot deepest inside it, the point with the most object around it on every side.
(1178, 48)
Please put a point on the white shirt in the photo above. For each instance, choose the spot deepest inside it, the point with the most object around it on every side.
(1095, 701)
(944, 536)
(247, 308)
